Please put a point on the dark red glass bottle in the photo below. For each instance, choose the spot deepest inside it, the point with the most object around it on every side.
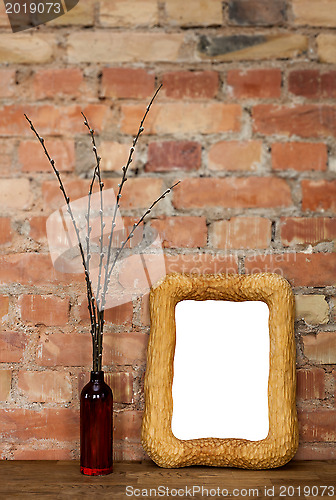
(96, 427)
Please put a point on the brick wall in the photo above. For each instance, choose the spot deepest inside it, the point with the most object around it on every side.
(247, 120)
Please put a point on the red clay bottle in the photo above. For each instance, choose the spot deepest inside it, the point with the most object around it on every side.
(96, 427)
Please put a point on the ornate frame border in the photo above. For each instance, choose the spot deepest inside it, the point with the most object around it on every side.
(157, 438)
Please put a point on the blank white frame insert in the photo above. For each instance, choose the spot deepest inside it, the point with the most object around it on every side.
(221, 369)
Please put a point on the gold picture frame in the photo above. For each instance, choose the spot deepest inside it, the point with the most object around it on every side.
(158, 440)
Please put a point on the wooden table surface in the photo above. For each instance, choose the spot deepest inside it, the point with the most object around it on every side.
(62, 480)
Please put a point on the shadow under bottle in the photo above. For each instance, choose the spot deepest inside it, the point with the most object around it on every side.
(96, 427)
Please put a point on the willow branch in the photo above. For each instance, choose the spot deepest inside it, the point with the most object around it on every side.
(96, 173)
(120, 186)
(131, 234)
(90, 297)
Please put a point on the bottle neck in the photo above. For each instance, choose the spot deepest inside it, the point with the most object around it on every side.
(97, 376)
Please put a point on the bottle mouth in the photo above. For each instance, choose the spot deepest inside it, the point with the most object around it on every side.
(97, 376)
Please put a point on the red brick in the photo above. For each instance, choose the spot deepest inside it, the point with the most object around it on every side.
(306, 120)
(133, 277)
(32, 268)
(310, 384)
(328, 84)
(63, 349)
(303, 230)
(127, 425)
(138, 193)
(4, 303)
(312, 83)
(24, 268)
(300, 269)
(121, 384)
(190, 84)
(49, 423)
(137, 275)
(49, 119)
(12, 345)
(299, 156)
(201, 264)
(242, 232)
(235, 155)
(71, 120)
(127, 83)
(320, 348)
(260, 192)
(45, 387)
(5, 230)
(318, 425)
(304, 82)
(254, 83)
(316, 451)
(16, 194)
(114, 156)
(5, 384)
(27, 452)
(44, 309)
(318, 195)
(178, 232)
(173, 155)
(12, 120)
(182, 118)
(38, 230)
(33, 159)
(119, 315)
(7, 150)
(125, 348)
(60, 82)
(7, 82)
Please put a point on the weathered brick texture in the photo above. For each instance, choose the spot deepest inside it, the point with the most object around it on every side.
(242, 232)
(127, 83)
(171, 155)
(235, 155)
(246, 119)
(299, 156)
(261, 83)
(44, 309)
(241, 192)
(311, 384)
(190, 84)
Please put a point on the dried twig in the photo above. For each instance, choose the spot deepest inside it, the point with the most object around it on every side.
(117, 206)
(96, 173)
(90, 297)
(131, 234)
(96, 304)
